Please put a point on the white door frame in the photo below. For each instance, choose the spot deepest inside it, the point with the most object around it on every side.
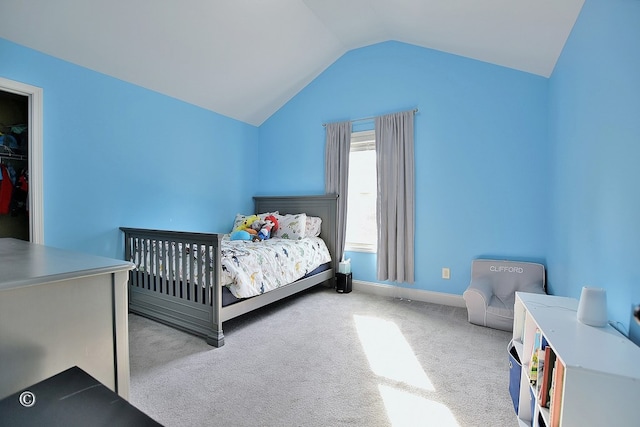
(36, 211)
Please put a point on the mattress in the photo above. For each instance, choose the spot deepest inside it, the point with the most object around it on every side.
(228, 298)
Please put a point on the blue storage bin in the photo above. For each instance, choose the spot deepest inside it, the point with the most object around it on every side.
(515, 367)
(533, 407)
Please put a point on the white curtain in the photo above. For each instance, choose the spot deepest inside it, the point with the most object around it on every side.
(396, 196)
(338, 136)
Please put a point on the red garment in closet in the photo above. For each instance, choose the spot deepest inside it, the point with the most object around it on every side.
(6, 189)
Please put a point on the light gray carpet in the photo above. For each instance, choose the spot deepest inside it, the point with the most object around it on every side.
(304, 362)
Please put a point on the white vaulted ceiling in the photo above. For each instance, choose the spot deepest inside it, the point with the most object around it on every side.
(246, 58)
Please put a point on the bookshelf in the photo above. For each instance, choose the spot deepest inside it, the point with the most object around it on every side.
(596, 380)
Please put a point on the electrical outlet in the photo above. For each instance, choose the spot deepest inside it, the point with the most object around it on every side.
(446, 273)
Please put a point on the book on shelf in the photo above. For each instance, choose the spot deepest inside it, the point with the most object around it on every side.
(555, 407)
(550, 359)
(541, 369)
(552, 386)
(533, 365)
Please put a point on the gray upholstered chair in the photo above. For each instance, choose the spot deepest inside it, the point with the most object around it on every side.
(491, 294)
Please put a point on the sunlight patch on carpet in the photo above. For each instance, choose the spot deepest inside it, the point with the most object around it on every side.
(388, 352)
(408, 409)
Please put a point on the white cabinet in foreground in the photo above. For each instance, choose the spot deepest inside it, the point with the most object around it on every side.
(60, 309)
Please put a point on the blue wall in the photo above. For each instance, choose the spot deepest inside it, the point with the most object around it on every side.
(508, 164)
(481, 150)
(595, 132)
(116, 154)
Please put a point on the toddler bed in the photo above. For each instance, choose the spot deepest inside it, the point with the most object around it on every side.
(197, 281)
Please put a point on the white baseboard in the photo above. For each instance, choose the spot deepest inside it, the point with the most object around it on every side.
(408, 293)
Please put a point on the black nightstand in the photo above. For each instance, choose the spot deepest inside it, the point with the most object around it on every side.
(70, 398)
(343, 282)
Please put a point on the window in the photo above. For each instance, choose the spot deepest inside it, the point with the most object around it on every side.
(361, 200)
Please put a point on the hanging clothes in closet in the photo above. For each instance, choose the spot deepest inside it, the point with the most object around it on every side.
(6, 190)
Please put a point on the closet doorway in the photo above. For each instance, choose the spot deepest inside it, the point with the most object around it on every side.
(20, 161)
(14, 166)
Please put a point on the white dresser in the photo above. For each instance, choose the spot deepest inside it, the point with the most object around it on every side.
(60, 309)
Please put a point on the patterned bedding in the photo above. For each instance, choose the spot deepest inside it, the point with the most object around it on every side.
(248, 268)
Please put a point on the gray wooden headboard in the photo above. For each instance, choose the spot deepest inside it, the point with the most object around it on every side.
(324, 206)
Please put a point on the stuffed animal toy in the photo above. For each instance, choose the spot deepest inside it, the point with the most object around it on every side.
(270, 226)
(256, 226)
(241, 235)
(246, 224)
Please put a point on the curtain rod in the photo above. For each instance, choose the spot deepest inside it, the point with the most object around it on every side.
(415, 110)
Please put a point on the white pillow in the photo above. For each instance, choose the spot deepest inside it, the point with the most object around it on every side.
(291, 226)
(313, 226)
(240, 218)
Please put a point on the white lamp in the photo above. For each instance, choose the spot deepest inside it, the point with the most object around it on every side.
(592, 308)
